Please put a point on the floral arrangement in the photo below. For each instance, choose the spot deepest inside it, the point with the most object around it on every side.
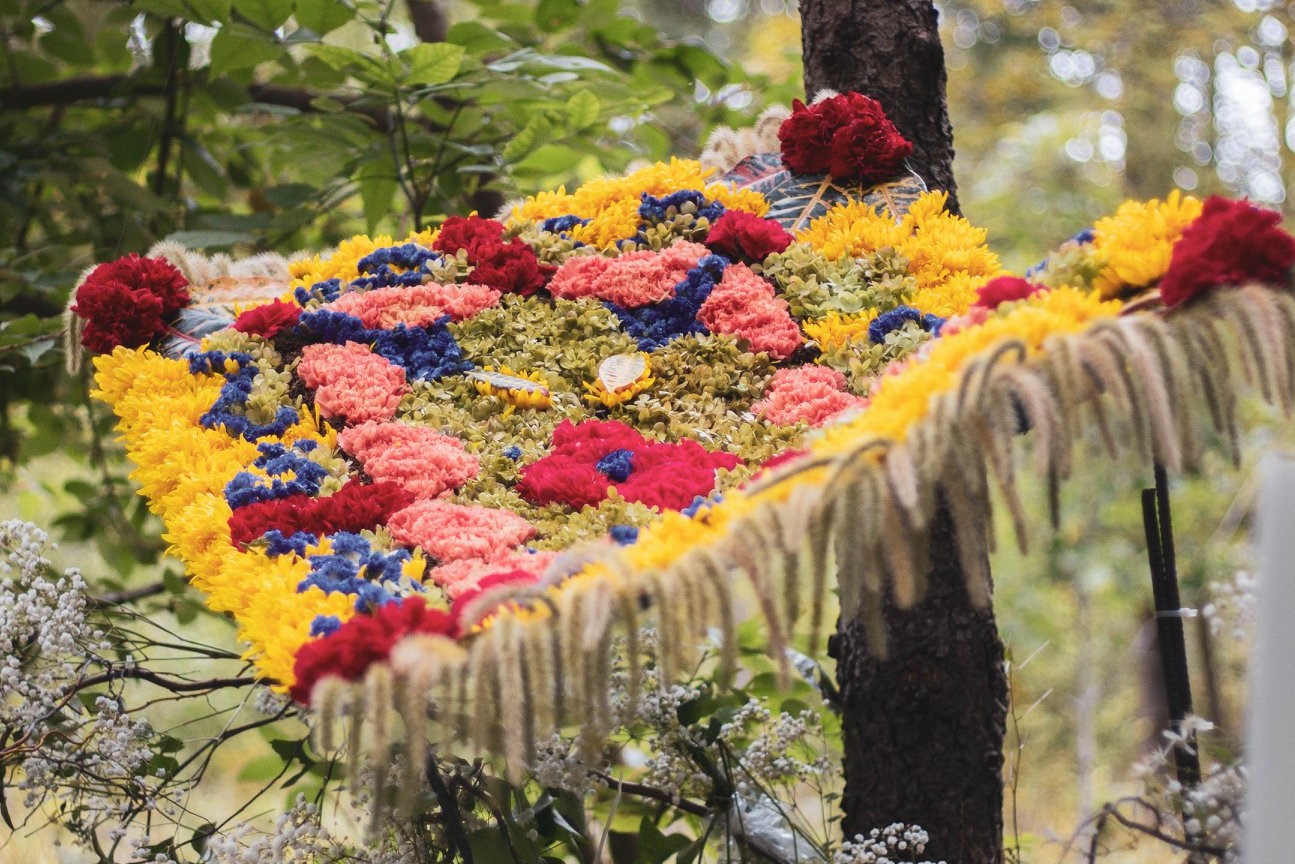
(428, 450)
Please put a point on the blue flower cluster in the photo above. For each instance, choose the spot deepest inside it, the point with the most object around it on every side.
(654, 209)
(355, 568)
(562, 224)
(277, 461)
(325, 292)
(624, 535)
(379, 264)
(700, 504)
(277, 544)
(225, 412)
(896, 318)
(656, 324)
(617, 465)
(426, 353)
(324, 625)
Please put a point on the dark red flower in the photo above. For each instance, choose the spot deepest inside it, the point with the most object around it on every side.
(806, 138)
(742, 236)
(269, 319)
(1005, 289)
(460, 232)
(129, 302)
(848, 135)
(509, 267)
(1229, 243)
(362, 641)
(354, 507)
(486, 585)
(596, 455)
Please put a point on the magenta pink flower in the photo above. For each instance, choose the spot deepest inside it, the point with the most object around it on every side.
(352, 382)
(422, 461)
(744, 306)
(416, 306)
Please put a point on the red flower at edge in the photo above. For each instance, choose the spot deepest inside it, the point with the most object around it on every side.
(354, 507)
(458, 232)
(743, 236)
(129, 302)
(848, 135)
(1229, 243)
(364, 640)
(269, 319)
(1005, 289)
(505, 266)
(577, 473)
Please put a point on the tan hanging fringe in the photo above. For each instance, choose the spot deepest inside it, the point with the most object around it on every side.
(1134, 380)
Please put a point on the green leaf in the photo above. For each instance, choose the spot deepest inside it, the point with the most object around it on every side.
(655, 846)
(323, 16)
(377, 190)
(209, 239)
(267, 14)
(433, 63)
(526, 140)
(553, 15)
(240, 47)
(583, 109)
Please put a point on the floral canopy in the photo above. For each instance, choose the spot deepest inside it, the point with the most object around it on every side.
(461, 461)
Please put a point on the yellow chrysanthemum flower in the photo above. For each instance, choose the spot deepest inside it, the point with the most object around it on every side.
(1137, 240)
(525, 390)
(834, 329)
(597, 390)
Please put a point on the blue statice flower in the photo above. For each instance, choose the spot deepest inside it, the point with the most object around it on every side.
(326, 325)
(227, 411)
(562, 224)
(896, 318)
(324, 625)
(700, 504)
(653, 209)
(355, 568)
(277, 544)
(325, 292)
(616, 465)
(656, 324)
(513, 452)
(624, 534)
(277, 461)
(426, 353)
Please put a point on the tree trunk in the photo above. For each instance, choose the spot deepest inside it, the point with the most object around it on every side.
(923, 728)
(889, 50)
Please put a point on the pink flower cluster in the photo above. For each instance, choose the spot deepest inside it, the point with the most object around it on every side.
(457, 577)
(805, 394)
(452, 532)
(417, 305)
(352, 382)
(634, 279)
(744, 306)
(422, 461)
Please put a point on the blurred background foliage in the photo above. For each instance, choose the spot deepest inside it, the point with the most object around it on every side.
(249, 125)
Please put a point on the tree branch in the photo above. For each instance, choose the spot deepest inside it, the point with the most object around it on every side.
(431, 24)
(174, 685)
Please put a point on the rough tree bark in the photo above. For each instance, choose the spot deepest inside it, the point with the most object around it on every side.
(889, 50)
(924, 727)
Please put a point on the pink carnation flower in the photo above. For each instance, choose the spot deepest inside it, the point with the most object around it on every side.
(452, 532)
(632, 280)
(805, 394)
(417, 305)
(457, 577)
(352, 382)
(744, 306)
(422, 461)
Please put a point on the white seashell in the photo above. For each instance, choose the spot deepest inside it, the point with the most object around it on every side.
(507, 382)
(621, 370)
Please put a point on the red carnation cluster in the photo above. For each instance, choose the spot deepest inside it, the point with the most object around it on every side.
(268, 320)
(355, 507)
(129, 302)
(510, 266)
(364, 640)
(743, 236)
(1005, 289)
(848, 135)
(1230, 243)
(666, 476)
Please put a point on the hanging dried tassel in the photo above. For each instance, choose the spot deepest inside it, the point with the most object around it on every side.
(326, 699)
(633, 652)
(714, 573)
(1155, 392)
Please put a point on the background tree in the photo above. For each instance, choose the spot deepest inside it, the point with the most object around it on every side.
(923, 725)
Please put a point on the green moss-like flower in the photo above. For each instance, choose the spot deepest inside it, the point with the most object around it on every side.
(815, 286)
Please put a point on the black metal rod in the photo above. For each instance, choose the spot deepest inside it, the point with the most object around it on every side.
(1157, 522)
